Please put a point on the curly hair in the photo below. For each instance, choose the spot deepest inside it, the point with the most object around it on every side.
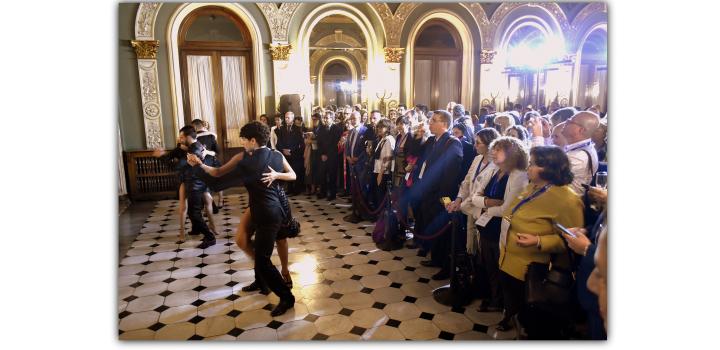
(256, 130)
(555, 164)
(515, 153)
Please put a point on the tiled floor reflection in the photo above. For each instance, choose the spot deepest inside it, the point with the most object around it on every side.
(346, 289)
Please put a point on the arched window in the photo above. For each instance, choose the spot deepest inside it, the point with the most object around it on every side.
(216, 70)
(437, 65)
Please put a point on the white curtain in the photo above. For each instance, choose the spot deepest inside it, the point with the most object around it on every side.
(200, 86)
(448, 82)
(422, 82)
(233, 68)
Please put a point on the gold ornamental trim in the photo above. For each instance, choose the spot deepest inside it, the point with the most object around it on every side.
(280, 52)
(145, 49)
(487, 56)
(394, 54)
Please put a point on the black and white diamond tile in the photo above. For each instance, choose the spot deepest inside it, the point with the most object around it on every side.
(345, 288)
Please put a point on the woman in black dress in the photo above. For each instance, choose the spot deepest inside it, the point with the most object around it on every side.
(265, 206)
(209, 140)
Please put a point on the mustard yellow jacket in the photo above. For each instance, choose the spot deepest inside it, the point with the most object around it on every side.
(558, 203)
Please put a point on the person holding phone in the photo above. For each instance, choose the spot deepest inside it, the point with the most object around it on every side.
(527, 235)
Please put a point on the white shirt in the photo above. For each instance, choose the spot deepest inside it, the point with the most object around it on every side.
(385, 153)
(579, 164)
(273, 137)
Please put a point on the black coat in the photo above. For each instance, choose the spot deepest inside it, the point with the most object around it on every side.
(292, 140)
(328, 138)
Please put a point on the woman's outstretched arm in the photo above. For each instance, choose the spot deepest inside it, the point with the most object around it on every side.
(216, 172)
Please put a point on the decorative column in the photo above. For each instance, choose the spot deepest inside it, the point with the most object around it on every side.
(492, 82)
(391, 78)
(146, 51)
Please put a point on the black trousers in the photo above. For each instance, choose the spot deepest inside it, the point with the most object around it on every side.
(513, 292)
(195, 206)
(489, 257)
(348, 177)
(298, 165)
(328, 175)
(265, 271)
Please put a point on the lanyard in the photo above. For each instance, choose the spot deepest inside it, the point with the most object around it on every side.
(582, 145)
(480, 168)
(531, 197)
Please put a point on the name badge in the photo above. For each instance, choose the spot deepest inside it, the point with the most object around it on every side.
(422, 171)
(483, 219)
(504, 228)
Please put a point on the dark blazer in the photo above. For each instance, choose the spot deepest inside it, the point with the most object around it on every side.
(443, 160)
(292, 140)
(327, 140)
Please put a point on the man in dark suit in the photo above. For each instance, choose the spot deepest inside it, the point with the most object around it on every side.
(290, 143)
(355, 157)
(438, 178)
(328, 136)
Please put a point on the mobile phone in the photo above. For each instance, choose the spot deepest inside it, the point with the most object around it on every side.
(564, 229)
(446, 200)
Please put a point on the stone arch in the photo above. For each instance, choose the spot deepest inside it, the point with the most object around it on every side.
(510, 17)
(373, 44)
(174, 56)
(468, 53)
(354, 74)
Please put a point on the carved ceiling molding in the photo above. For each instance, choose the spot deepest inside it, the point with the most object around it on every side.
(145, 20)
(587, 11)
(331, 39)
(483, 22)
(278, 18)
(393, 22)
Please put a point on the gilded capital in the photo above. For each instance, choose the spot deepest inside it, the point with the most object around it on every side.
(486, 56)
(394, 54)
(145, 48)
(280, 52)
(313, 79)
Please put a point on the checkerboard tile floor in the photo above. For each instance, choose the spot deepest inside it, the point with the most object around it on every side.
(346, 288)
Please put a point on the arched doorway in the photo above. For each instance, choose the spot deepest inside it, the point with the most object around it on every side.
(437, 65)
(216, 64)
(337, 84)
(338, 56)
(592, 70)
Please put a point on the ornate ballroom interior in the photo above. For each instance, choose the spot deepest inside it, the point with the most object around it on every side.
(228, 63)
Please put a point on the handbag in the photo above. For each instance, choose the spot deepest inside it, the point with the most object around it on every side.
(549, 288)
(290, 226)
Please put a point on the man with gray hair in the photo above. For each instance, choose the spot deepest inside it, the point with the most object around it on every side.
(580, 149)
